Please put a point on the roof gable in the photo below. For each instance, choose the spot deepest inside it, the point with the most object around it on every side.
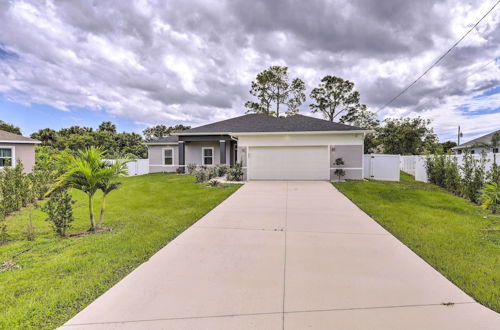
(260, 123)
(15, 138)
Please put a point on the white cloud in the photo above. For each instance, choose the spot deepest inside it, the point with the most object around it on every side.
(193, 61)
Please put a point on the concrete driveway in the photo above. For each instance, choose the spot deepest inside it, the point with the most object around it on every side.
(285, 255)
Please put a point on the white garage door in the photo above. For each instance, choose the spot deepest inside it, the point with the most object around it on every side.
(288, 163)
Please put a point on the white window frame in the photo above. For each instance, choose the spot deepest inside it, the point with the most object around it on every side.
(12, 155)
(203, 156)
(163, 156)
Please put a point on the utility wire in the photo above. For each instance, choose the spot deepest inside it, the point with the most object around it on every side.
(439, 59)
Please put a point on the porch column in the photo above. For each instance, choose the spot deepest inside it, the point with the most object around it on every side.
(222, 152)
(182, 158)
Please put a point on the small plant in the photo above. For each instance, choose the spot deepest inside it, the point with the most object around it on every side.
(221, 170)
(491, 197)
(30, 231)
(211, 172)
(59, 209)
(179, 170)
(200, 175)
(235, 173)
(191, 167)
(3, 229)
(339, 173)
(213, 183)
(339, 162)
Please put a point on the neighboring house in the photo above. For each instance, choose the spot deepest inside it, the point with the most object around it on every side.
(290, 148)
(15, 148)
(479, 144)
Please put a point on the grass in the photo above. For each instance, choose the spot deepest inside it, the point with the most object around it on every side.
(457, 238)
(59, 277)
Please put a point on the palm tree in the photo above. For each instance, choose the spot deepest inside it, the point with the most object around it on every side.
(84, 172)
(109, 182)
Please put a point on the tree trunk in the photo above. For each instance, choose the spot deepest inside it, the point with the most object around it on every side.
(101, 215)
(278, 103)
(91, 214)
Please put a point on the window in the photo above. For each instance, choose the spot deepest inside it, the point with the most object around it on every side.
(495, 150)
(459, 152)
(472, 152)
(168, 156)
(5, 157)
(235, 153)
(208, 156)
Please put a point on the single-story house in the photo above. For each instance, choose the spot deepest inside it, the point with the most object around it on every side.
(482, 143)
(15, 148)
(291, 148)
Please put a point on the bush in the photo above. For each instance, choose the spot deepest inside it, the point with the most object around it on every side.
(221, 169)
(200, 175)
(235, 173)
(179, 170)
(451, 175)
(490, 196)
(59, 209)
(211, 172)
(339, 172)
(213, 183)
(191, 167)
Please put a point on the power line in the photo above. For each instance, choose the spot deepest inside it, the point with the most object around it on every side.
(439, 59)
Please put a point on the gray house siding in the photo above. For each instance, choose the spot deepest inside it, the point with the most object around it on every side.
(155, 155)
(194, 152)
(193, 155)
(352, 155)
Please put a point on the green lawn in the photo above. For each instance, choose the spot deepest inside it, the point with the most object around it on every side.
(459, 239)
(59, 277)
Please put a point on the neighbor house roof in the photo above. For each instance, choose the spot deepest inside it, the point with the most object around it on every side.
(260, 123)
(482, 140)
(7, 137)
(171, 139)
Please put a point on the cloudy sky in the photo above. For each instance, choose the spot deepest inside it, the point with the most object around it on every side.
(80, 62)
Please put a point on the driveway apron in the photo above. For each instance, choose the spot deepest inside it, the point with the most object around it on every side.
(285, 255)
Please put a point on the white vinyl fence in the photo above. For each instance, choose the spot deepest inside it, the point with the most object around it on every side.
(136, 167)
(415, 165)
(381, 167)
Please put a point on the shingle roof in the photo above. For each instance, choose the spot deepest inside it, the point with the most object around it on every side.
(7, 136)
(165, 139)
(261, 123)
(485, 139)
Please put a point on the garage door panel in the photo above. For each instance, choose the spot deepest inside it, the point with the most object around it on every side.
(289, 163)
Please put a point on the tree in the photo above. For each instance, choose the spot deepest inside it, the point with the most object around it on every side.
(334, 96)
(361, 117)
(447, 146)
(407, 136)
(109, 183)
(59, 209)
(272, 88)
(47, 136)
(84, 172)
(107, 126)
(9, 128)
(159, 131)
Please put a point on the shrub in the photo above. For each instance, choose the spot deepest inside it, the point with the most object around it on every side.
(235, 173)
(490, 196)
(435, 166)
(452, 175)
(59, 209)
(339, 172)
(200, 175)
(221, 169)
(211, 172)
(339, 161)
(191, 167)
(467, 168)
(179, 170)
(3, 229)
(213, 183)
(30, 228)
